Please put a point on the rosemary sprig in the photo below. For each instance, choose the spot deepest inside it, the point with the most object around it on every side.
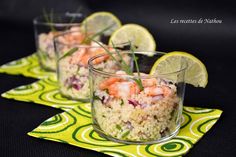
(51, 15)
(89, 39)
(123, 64)
(49, 19)
(68, 53)
(45, 15)
(138, 81)
(127, 68)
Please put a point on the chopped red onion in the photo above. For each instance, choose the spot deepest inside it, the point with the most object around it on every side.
(133, 102)
(76, 86)
(74, 83)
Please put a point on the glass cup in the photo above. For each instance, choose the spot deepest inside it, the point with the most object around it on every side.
(137, 108)
(72, 69)
(46, 28)
(72, 66)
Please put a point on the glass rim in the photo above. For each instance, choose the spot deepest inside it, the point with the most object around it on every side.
(40, 20)
(91, 66)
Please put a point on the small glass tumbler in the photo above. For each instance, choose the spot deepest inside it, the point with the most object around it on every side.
(46, 28)
(136, 108)
(72, 67)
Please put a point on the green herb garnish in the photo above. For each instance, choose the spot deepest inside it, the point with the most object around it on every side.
(125, 134)
(95, 97)
(122, 102)
(126, 67)
(118, 127)
(68, 53)
(49, 18)
(138, 81)
(123, 64)
(77, 71)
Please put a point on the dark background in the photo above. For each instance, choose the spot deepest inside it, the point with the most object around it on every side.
(214, 44)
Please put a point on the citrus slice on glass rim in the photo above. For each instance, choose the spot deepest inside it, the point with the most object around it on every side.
(99, 21)
(139, 37)
(195, 74)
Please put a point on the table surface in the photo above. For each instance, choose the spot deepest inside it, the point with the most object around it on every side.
(213, 44)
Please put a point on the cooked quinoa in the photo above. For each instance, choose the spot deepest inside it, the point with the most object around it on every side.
(74, 78)
(46, 51)
(136, 118)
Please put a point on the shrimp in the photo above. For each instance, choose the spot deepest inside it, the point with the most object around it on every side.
(149, 82)
(106, 83)
(84, 60)
(97, 51)
(167, 90)
(77, 56)
(78, 37)
(68, 38)
(123, 89)
(100, 59)
(75, 37)
(157, 90)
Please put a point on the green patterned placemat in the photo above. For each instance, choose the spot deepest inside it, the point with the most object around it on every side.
(74, 127)
(44, 92)
(27, 66)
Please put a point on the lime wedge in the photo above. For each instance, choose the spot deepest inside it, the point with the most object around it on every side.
(139, 36)
(195, 74)
(98, 21)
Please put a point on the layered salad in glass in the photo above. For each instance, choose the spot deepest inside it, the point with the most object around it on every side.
(132, 106)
